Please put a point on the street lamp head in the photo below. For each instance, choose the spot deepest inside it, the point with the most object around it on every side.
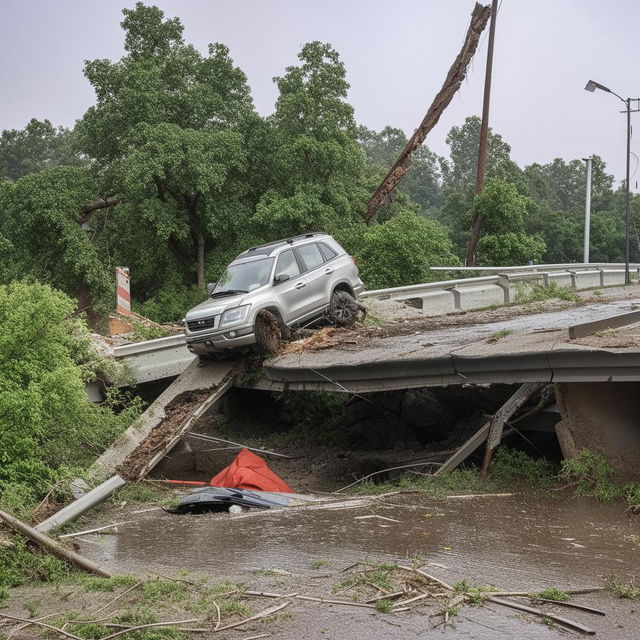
(592, 85)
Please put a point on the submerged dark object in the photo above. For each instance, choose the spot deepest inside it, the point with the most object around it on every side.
(221, 498)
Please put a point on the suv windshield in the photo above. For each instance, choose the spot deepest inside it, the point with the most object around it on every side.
(244, 276)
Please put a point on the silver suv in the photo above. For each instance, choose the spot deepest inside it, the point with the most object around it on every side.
(269, 289)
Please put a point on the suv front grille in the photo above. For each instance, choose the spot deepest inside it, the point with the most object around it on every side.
(202, 324)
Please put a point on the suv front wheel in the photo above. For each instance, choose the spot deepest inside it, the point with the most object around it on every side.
(268, 333)
(343, 308)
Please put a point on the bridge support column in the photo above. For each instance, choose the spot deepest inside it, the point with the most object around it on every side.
(603, 417)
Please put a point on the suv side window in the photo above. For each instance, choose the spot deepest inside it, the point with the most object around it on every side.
(327, 251)
(311, 256)
(287, 264)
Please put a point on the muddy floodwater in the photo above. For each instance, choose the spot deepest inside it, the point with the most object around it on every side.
(513, 542)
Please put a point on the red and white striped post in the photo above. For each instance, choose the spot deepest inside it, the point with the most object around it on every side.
(123, 296)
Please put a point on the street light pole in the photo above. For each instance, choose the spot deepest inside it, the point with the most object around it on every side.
(587, 213)
(592, 85)
(627, 279)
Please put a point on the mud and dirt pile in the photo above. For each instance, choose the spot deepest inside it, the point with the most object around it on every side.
(176, 412)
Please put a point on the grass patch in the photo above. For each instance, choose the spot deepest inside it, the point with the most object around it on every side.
(474, 595)
(593, 476)
(623, 589)
(539, 293)
(498, 335)
(138, 492)
(552, 593)
(317, 564)
(510, 468)
(372, 320)
(93, 583)
(384, 606)
(379, 574)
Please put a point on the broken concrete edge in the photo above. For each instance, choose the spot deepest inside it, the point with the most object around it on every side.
(74, 510)
(222, 388)
(197, 376)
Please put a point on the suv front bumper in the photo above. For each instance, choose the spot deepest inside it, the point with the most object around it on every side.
(220, 341)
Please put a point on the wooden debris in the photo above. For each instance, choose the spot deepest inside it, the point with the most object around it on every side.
(124, 593)
(50, 545)
(44, 625)
(104, 528)
(559, 619)
(172, 623)
(424, 574)
(376, 516)
(263, 614)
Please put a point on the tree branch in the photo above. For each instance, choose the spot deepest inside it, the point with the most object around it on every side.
(101, 203)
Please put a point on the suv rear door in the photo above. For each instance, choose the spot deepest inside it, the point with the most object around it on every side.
(317, 275)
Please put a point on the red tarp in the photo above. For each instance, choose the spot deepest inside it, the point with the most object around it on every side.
(249, 471)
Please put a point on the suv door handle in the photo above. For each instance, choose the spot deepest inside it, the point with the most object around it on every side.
(328, 270)
(300, 285)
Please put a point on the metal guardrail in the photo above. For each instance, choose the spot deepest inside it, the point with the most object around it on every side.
(167, 357)
(568, 266)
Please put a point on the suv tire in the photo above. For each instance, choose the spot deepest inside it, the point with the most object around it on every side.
(343, 308)
(268, 332)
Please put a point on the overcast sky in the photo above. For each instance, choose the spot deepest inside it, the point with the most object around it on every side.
(396, 53)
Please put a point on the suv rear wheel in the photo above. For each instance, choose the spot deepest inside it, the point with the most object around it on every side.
(269, 336)
(343, 308)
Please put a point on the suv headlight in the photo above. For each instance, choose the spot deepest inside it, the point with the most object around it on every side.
(235, 315)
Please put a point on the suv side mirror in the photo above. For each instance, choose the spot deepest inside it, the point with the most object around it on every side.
(283, 277)
(210, 287)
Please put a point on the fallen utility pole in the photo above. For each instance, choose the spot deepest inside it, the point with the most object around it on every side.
(481, 169)
(52, 546)
(457, 73)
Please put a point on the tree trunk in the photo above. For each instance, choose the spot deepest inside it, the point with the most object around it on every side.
(200, 253)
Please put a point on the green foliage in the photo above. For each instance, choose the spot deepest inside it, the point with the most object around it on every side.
(46, 240)
(512, 467)
(539, 293)
(21, 565)
(315, 414)
(553, 593)
(38, 146)
(507, 249)
(401, 251)
(384, 606)
(317, 167)
(593, 475)
(171, 302)
(47, 424)
(623, 589)
(93, 583)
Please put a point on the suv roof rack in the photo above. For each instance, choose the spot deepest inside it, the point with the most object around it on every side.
(272, 245)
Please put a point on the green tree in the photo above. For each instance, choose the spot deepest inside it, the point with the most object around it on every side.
(459, 172)
(401, 251)
(40, 219)
(168, 129)
(38, 146)
(317, 166)
(505, 214)
(46, 420)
